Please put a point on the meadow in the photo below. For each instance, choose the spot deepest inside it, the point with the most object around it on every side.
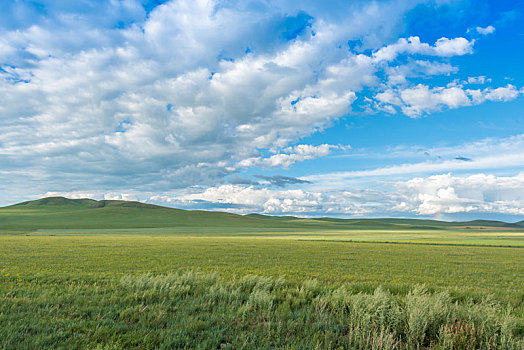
(120, 275)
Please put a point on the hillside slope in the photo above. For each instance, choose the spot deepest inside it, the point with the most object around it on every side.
(64, 213)
(58, 213)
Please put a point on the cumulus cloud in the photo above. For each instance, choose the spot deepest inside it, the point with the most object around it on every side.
(242, 199)
(291, 155)
(429, 196)
(421, 99)
(485, 31)
(416, 69)
(176, 95)
(479, 193)
(478, 80)
(443, 47)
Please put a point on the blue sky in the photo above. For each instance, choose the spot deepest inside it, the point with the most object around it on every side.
(341, 108)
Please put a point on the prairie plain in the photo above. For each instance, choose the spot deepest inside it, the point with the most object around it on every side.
(123, 274)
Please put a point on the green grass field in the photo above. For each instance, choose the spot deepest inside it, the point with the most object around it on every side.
(97, 274)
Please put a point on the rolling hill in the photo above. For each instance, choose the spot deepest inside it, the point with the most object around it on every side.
(65, 213)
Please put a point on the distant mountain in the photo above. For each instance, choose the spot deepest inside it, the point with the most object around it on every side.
(65, 213)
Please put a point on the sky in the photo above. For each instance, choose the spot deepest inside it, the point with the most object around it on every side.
(351, 109)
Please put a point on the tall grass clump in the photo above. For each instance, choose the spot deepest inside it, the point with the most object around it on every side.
(192, 309)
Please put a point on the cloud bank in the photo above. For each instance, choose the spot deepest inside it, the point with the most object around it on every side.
(124, 98)
(436, 194)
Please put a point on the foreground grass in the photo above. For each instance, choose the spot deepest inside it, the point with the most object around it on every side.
(202, 310)
(116, 291)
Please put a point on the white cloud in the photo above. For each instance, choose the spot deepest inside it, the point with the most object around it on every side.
(421, 99)
(479, 193)
(418, 68)
(161, 102)
(478, 80)
(443, 47)
(158, 98)
(291, 155)
(429, 196)
(500, 94)
(486, 30)
(242, 199)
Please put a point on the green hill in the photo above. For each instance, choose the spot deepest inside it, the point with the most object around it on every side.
(64, 213)
(82, 203)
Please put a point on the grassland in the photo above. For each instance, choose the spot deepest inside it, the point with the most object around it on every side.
(88, 274)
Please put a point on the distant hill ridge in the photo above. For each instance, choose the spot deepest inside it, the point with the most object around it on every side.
(86, 202)
(85, 213)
